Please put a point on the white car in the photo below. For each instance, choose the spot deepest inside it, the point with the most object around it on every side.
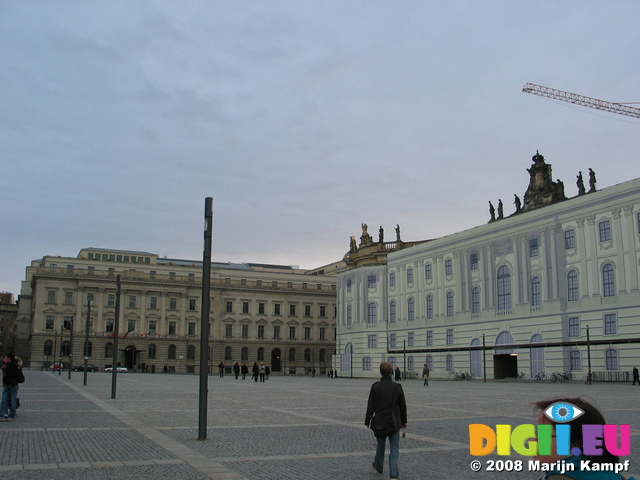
(118, 369)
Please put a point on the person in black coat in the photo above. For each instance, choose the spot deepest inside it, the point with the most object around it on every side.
(244, 369)
(12, 376)
(386, 414)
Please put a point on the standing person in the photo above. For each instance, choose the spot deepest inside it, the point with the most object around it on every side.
(255, 370)
(386, 414)
(398, 374)
(221, 369)
(244, 369)
(267, 371)
(636, 376)
(12, 376)
(236, 370)
(425, 375)
(261, 370)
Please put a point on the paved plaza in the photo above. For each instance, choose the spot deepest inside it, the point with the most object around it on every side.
(286, 428)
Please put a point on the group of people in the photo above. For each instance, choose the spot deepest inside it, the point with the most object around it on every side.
(258, 371)
(386, 415)
(12, 377)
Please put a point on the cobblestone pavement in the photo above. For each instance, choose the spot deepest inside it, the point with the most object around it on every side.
(286, 428)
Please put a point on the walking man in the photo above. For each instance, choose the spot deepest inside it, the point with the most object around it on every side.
(425, 375)
(386, 414)
(636, 377)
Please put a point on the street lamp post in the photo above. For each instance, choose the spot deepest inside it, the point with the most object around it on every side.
(589, 380)
(70, 347)
(86, 342)
(61, 342)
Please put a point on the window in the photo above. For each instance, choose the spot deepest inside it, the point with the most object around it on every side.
(192, 304)
(292, 333)
(153, 303)
(410, 363)
(449, 304)
(409, 275)
(191, 329)
(132, 301)
(348, 284)
(372, 313)
(411, 339)
(610, 324)
(323, 311)
(392, 311)
(638, 218)
(228, 331)
(229, 308)
(245, 331)
(429, 337)
(574, 360)
(349, 320)
(172, 328)
(569, 239)
(371, 281)
(392, 279)
(48, 348)
(411, 312)
(191, 352)
(504, 288)
(48, 322)
(322, 355)
(448, 267)
(108, 350)
(428, 275)
(449, 336)
(372, 341)
(429, 361)
(429, 306)
(292, 309)
(536, 292)
(244, 354)
(473, 261)
(228, 353)
(608, 281)
(67, 322)
(260, 331)
(574, 326)
(261, 354)
(173, 303)
(307, 354)
(307, 333)
(323, 333)
(111, 300)
(392, 361)
(171, 353)
(151, 352)
(292, 354)
(260, 308)
(475, 300)
(153, 327)
(611, 359)
(392, 340)
(604, 228)
(276, 331)
(307, 310)
(68, 298)
(366, 363)
(109, 325)
(51, 296)
(533, 247)
(276, 309)
(449, 363)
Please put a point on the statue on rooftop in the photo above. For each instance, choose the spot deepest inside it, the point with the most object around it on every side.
(517, 203)
(492, 212)
(500, 210)
(592, 181)
(580, 184)
(398, 233)
(381, 235)
(542, 190)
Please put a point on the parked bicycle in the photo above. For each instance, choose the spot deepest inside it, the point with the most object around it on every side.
(540, 376)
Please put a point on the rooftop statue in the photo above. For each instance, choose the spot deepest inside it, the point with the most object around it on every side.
(592, 181)
(542, 189)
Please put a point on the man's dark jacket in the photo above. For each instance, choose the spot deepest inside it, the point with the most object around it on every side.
(382, 395)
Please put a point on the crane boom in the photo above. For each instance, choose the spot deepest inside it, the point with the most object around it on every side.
(581, 100)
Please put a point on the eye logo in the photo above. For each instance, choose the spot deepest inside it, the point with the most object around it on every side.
(563, 412)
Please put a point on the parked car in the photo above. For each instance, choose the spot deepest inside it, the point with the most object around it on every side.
(118, 369)
(55, 366)
(90, 368)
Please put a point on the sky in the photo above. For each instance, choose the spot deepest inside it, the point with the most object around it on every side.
(302, 119)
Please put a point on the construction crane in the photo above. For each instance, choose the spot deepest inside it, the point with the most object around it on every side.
(581, 100)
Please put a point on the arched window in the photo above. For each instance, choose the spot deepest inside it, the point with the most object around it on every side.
(392, 311)
(429, 306)
(475, 359)
(65, 348)
(572, 286)
(191, 352)
(349, 320)
(108, 350)
(504, 288)
(292, 354)
(449, 363)
(244, 354)
(345, 358)
(536, 292)
(504, 338)
(261, 354)
(608, 281)
(87, 349)
(475, 300)
(228, 353)
(411, 312)
(537, 363)
(611, 359)
(307, 354)
(322, 355)
(152, 352)
(372, 313)
(172, 352)
(449, 304)
(48, 348)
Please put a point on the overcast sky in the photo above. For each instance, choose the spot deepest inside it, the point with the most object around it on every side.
(301, 119)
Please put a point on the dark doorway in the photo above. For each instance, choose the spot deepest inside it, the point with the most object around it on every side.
(275, 360)
(505, 366)
(130, 357)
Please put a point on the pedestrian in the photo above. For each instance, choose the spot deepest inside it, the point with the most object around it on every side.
(221, 369)
(636, 377)
(261, 370)
(12, 377)
(255, 370)
(386, 414)
(570, 467)
(398, 374)
(313, 372)
(165, 369)
(244, 370)
(425, 375)
(236, 370)
(267, 371)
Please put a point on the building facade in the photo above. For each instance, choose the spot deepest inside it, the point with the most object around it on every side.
(8, 323)
(553, 287)
(279, 315)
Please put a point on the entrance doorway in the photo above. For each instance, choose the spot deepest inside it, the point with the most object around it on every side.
(275, 360)
(505, 366)
(130, 356)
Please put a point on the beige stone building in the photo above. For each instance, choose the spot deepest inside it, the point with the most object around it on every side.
(281, 315)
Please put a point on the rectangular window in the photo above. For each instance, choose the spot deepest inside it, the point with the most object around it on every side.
(261, 308)
(574, 326)
(448, 267)
(428, 274)
(132, 301)
(429, 306)
(323, 333)
(260, 331)
(409, 275)
(449, 336)
(323, 311)
(67, 322)
(245, 307)
(153, 303)
(307, 333)
(292, 309)
(131, 326)
(307, 310)
(605, 230)
(51, 296)
(348, 284)
(172, 328)
(429, 337)
(611, 359)
(68, 298)
(153, 327)
(245, 331)
(192, 304)
(191, 329)
(372, 341)
(276, 331)
(610, 324)
(229, 307)
(574, 360)
(48, 322)
(173, 303)
(533, 247)
(569, 239)
(392, 340)
(228, 331)
(473, 261)
(276, 309)
(111, 300)
(371, 281)
(366, 363)
(109, 323)
(638, 218)
(411, 338)
(392, 279)
(292, 333)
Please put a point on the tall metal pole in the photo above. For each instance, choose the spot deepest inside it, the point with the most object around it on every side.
(86, 342)
(204, 319)
(404, 353)
(116, 332)
(55, 349)
(61, 342)
(70, 348)
(589, 379)
(484, 360)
